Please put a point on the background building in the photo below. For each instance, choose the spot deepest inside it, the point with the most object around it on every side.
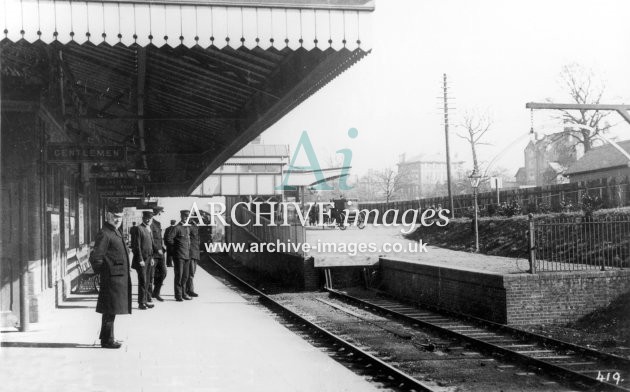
(426, 175)
(601, 162)
(547, 159)
(255, 170)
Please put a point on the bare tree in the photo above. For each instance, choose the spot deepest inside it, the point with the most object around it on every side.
(389, 182)
(476, 125)
(583, 88)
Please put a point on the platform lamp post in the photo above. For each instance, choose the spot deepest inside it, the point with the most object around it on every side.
(475, 178)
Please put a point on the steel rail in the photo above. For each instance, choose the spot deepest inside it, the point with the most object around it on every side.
(567, 374)
(560, 344)
(404, 381)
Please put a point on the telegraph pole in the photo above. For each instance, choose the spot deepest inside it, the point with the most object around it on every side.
(448, 153)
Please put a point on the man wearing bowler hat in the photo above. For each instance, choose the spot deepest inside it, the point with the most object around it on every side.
(142, 248)
(178, 239)
(158, 255)
(110, 259)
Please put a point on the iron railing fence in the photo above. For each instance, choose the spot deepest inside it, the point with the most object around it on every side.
(579, 243)
(543, 199)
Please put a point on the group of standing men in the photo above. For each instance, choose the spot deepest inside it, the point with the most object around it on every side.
(110, 259)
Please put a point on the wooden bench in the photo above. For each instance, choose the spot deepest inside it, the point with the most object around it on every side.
(88, 280)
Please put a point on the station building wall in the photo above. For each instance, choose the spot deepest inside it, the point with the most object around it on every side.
(50, 214)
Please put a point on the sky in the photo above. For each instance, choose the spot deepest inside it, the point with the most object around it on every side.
(497, 55)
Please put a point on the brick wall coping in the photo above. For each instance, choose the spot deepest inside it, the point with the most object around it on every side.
(410, 265)
(414, 266)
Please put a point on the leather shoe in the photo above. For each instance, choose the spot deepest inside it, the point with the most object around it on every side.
(186, 297)
(159, 298)
(178, 299)
(110, 344)
(193, 294)
(143, 306)
(150, 305)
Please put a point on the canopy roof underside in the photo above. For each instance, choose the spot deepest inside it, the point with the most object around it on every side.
(181, 111)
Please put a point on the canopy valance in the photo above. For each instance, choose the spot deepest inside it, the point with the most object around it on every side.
(278, 24)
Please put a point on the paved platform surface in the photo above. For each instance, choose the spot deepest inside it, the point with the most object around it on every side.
(216, 342)
(384, 236)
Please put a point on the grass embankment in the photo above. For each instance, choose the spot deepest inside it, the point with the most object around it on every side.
(497, 235)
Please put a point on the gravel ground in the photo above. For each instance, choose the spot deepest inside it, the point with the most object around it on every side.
(601, 341)
(444, 364)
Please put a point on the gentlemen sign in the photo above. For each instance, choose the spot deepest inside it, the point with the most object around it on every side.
(71, 153)
(132, 191)
(115, 182)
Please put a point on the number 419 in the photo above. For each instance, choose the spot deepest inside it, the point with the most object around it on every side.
(605, 377)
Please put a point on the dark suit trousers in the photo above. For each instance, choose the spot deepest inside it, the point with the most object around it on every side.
(143, 280)
(190, 286)
(160, 275)
(150, 275)
(169, 258)
(107, 327)
(181, 268)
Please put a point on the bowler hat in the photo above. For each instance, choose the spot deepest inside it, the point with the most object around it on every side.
(147, 214)
(184, 212)
(158, 209)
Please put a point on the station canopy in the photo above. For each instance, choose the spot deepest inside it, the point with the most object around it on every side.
(183, 85)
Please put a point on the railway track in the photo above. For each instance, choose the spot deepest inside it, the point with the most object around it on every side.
(352, 356)
(576, 365)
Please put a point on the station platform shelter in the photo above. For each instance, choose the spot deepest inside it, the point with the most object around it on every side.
(116, 102)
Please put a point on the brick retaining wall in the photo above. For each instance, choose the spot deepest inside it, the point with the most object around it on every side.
(292, 271)
(512, 299)
(560, 297)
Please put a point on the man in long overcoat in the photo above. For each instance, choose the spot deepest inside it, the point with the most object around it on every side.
(142, 248)
(110, 259)
(158, 254)
(178, 239)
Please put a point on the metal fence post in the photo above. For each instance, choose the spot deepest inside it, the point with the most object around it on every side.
(532, 245)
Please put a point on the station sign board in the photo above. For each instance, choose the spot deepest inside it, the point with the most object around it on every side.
(115, 182)
(123, 191)
(73, 153)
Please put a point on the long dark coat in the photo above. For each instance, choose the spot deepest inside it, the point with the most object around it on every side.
(194, 241)
(158, 243)
(110, 259)
(141, 245)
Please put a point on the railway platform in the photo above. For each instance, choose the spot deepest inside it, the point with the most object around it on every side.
(217, 342)
(494, 288)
